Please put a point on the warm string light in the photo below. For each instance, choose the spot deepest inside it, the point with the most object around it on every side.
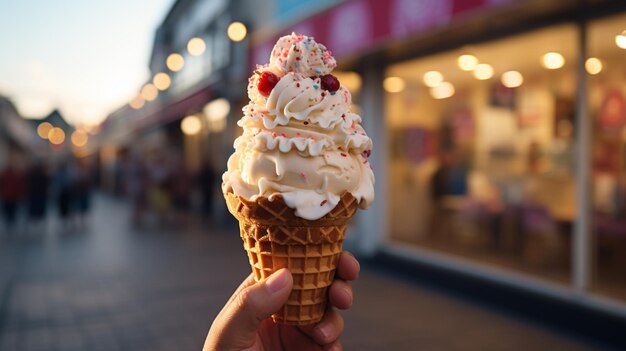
(56, 136)
(175, 62)
(43, 130)
(196, 46)
(161, 81)
(237, 31)
(149, 92)
(191, 125)
(79, 138)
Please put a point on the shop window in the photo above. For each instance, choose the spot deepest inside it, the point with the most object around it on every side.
(481, 147)
(607, 108)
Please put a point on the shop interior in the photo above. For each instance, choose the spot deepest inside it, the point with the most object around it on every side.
(482, 142)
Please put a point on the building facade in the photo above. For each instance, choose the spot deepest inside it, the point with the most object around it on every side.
(499, 132)
(186, 109)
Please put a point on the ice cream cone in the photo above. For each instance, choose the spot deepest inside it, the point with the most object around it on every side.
(276, 238)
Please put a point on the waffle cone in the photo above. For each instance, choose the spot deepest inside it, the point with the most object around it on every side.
(276, 238)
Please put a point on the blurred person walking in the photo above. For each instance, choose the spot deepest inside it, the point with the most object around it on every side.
(37, 197)
(63, 185)
(12, 192)
(134, 183)
(181, 187)
(206, 181)
(81, 191)
(159, 176)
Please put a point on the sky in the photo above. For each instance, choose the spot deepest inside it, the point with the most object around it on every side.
(84, 57)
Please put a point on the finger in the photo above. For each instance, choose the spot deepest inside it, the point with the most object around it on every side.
(348, 267)
(340, 294)
(327, 330)
(237, 325)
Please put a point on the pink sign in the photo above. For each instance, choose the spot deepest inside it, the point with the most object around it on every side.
(411, 16)
(356, 25)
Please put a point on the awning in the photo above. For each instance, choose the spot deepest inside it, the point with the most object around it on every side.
(356, 26)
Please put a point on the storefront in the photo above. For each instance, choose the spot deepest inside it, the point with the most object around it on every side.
(502, 150)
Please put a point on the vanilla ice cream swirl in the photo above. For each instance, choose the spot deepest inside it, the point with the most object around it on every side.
(301, 141)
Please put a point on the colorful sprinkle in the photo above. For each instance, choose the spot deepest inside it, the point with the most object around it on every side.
(323, 203)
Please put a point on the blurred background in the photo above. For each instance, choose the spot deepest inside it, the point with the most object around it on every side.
(499, 129)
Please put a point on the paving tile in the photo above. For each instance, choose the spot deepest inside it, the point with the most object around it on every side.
(116, 287)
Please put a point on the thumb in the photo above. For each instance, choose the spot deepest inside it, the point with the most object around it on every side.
(237, 324)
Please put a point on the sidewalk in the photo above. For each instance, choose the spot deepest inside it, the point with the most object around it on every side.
(118, 288)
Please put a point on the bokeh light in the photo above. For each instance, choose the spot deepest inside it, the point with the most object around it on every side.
(620, 40)
(175, 62)
(512, 79)
(237, 31)
(553, 60)
(43, 129)
(467, 62)
(191, 125)
(196, 46)
(161, 81)
(137, 102)
(350, 80)
(593, 65)
(442, 91)
(56, 136)
(483, 71)
(432, 78)
(149, 92)
(394, 84)
(79, 138)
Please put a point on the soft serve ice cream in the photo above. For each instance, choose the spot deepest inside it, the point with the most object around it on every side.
(300, 140)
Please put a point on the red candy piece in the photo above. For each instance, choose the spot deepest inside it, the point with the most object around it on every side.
(330, 82)
(267, 82)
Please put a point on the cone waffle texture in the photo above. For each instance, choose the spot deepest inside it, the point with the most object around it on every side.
(276, 238)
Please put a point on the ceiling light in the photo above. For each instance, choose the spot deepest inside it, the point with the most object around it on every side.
(442, 91)
(593, 65)
(512, 79)
(432, 78)
(553, 60)
(467, 62)
(483, 71)
(394, 84)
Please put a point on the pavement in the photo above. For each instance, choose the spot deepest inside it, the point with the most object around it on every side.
(111, 286)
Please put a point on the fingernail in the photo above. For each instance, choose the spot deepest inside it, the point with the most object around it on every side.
(348, 296)
(323, 332)
(276, 282)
